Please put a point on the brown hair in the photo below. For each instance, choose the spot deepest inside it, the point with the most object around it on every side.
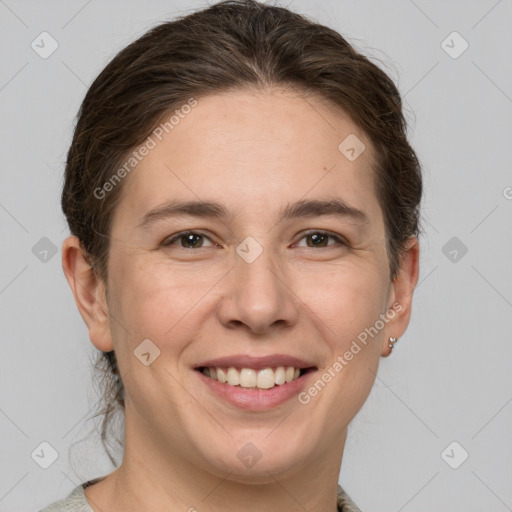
(232, 44)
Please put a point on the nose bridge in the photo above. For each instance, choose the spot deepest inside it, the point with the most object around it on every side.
(259, 275)
(259, 295)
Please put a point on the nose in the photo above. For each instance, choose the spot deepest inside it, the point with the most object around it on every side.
(259, 296)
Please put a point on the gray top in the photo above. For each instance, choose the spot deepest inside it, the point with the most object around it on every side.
(77, 502)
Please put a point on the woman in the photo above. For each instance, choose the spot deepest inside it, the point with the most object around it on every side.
(244, 209)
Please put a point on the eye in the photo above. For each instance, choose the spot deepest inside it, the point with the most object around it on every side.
(194, 240)
(320, 239)
(189, 240)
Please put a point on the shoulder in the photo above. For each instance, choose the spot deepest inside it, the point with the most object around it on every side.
(74, 502)
(345, 504)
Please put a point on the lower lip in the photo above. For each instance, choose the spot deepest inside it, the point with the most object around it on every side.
(255, 399)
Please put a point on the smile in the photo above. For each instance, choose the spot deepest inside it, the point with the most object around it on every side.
(249, 378)
(255, 382)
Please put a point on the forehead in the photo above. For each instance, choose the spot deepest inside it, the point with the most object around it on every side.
(253, 150)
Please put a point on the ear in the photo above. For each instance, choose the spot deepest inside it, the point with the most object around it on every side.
(402, 288)
(89, 291)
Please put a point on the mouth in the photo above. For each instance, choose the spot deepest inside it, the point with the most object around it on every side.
(255, 383)
(255, 378)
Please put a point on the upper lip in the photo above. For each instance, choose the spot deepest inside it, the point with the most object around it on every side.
(257, 363)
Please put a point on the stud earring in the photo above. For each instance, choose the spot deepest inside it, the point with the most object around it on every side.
(392, 342)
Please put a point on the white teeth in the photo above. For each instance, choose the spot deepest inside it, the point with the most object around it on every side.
(233, 377)
(221, 375)
(247, 378)
(265, 378)
(280, 375)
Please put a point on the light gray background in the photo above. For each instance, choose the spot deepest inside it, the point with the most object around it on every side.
(449, 377)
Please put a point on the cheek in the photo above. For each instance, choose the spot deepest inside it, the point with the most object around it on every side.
(346, 308)
(347, 324)
(151, 305)
(346, 300)
(153, 300)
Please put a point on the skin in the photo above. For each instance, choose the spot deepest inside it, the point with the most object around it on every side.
(253, 151)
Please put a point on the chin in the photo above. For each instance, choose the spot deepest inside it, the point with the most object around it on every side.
(257, 462)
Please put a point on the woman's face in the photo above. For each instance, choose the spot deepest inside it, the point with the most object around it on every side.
(270, 277)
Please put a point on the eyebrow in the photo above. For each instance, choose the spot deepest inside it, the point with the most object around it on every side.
(209, 209)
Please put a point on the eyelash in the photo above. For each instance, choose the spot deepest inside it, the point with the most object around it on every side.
(168, 242)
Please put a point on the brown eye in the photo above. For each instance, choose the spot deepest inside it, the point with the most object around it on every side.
(321, 239)
(187, 240)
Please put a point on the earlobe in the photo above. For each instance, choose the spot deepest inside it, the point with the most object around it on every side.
(401, 294)
(89, 293)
